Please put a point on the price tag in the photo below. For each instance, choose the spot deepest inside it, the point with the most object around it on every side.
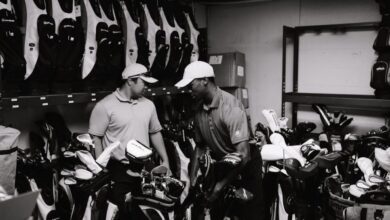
(244, 93)
(15, 106)
(240, 71)
(70, 101)
(14, 100)
(45, 104)
(42, 98)
(214, 60)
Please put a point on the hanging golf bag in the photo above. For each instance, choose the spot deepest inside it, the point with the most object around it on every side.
(173, 41)
(12, 63)
(380, 74)
(184, 34)
(157, 39)
(67, 76)
(40, 47)
(137, 47)
(115, 64)
(97, 50)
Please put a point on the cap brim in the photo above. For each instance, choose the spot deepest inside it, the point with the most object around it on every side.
(148, 79)
(183, 83)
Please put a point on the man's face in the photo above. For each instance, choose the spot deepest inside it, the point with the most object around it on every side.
(198, 88)
(137, 87)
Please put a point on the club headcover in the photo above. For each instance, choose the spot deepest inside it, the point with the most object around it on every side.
(87, 159)
(272, 119)
(383, 159)
(107, 153)
(356, 191)
(366, 166)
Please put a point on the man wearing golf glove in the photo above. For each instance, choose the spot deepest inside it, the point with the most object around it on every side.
(221, 125)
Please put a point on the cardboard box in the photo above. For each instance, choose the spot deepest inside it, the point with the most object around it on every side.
(240, 93)
(229, 69)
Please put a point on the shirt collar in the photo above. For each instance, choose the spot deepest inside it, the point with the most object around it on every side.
(215, 102)
(121, 98)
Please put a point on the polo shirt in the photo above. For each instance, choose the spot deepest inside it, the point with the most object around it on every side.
(117, 118)
(222, 124)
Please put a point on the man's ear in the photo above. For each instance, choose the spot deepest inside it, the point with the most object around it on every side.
(205, 81)
(130, 82)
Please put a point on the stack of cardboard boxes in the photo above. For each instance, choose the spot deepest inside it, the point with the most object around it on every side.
(229, 69)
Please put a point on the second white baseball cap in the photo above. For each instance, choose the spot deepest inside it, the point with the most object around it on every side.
(137, 70)
(195, 70)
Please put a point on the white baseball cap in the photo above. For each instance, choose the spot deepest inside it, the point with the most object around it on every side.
(195, 70)
(136, 70)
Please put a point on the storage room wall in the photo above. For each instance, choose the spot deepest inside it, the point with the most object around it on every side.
(75, 115)
(329, 63)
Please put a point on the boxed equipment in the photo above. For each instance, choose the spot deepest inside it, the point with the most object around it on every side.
(229, 69)
(240, 93)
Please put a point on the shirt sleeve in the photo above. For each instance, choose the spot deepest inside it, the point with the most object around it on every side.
(99, 120)
(237, 124)
(154, 123)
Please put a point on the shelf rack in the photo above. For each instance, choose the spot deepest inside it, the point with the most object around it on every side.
(73, 98)
(337, 100)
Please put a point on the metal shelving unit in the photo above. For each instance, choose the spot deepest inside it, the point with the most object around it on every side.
(338, 100)
(73, 98)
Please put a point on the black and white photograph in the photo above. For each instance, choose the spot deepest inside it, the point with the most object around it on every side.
(194, 109)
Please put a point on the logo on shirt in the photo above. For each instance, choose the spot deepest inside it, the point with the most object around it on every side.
(237, 134)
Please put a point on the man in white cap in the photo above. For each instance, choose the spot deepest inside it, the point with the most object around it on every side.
(221, 125)
(122, 116)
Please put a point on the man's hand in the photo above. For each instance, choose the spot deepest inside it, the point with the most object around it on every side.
(162, 169)
(215, 194)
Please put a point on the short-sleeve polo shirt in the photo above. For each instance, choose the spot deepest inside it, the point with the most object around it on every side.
(222, 124)
(118, 118)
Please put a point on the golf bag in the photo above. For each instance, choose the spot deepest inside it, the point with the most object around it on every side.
(12, 62)
(67, 76)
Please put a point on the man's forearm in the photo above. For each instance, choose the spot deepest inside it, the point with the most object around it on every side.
(98, 141)
(158, 143)
(244, 152)
(194, 165)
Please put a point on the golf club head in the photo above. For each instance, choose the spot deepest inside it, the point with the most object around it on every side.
(323, 112)
(85, 139)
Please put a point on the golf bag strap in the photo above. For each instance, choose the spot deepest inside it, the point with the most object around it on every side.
(9, 151)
